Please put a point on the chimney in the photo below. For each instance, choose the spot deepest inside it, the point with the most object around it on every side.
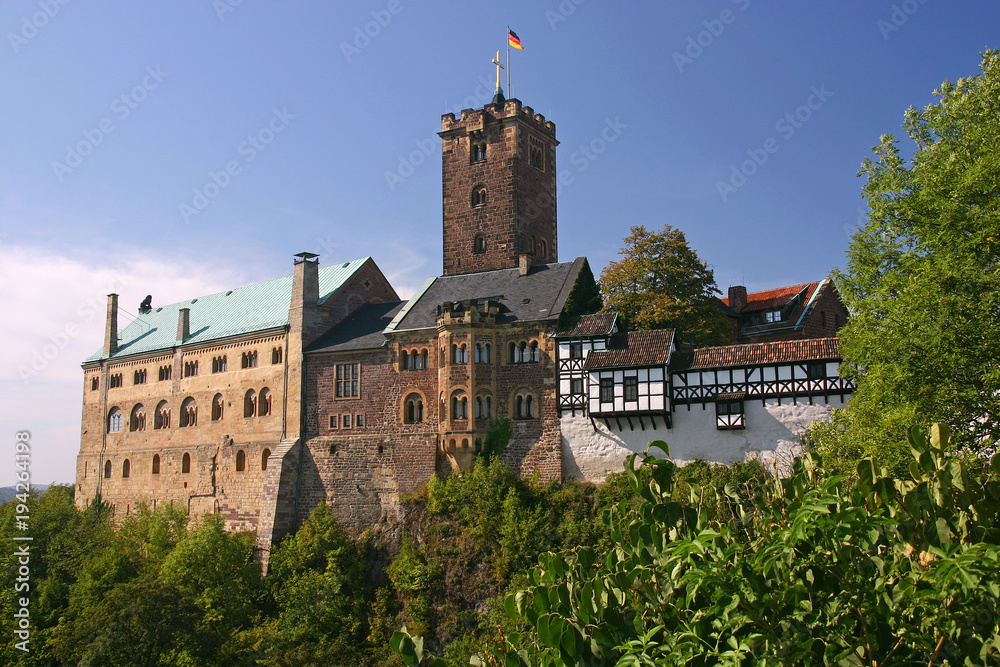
(738, 298)
(302, 311)
(111, 327)
(524, 264)
(183, 325)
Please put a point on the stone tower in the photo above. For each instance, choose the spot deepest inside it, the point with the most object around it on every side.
(499, 188)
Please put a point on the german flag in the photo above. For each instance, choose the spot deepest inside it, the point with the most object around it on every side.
(513, 39)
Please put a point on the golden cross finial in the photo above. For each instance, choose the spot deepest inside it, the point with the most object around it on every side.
(496, 61)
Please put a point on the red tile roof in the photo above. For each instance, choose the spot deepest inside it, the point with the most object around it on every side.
(640, 348)
(598, 324)
(775, 298)
(754, 354)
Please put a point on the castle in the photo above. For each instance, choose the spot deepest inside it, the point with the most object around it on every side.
(260, 402)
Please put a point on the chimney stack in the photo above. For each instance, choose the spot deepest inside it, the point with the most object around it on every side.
(524, 264)
(111, 327)
(737, 298)
(303, 310)
(183, 325)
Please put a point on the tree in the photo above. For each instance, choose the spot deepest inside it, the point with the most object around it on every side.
(923, 279)
(815, 569)
(660, 283)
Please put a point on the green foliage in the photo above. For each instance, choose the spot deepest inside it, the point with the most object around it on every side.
(815, 569)
(497, 437)
(661, 283)
(584, 297)
(922, 281)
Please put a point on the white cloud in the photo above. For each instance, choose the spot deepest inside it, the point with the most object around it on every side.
(56, 307)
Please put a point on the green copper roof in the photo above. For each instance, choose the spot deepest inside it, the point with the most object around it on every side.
(236, 312)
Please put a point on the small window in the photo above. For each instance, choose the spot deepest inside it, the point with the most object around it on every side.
(478, 151)
(107, 470)
(264, 403)
(94, 383)
(218, 406)
(543, 249)
(115, 381)
(165, 372)
(607, 390)
(250, 403)
(345, 421)
(817, 370)
(576, 350)
(190, 369)
(576, 386)
(729, 415)
(126, 468)
(479, 196)
(536, 354)
(413, 409)
(241, 461)
(632, 388)
(334, 421)
(459, 406)
(264, 456)
(156, 464)
(137, 420)
(524, 406)
(359, 421)
(219, 364)
(186, 463)
(276, 355)
(482, 353)
(479, 244)
(460, 353)
(161, 419)
(139, 377)
(189, 413)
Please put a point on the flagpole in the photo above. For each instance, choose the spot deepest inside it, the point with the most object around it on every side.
(510, 93)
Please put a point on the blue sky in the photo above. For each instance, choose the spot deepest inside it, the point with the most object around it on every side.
(179, 148)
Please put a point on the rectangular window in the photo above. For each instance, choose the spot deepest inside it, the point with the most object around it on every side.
(816, 371)
(607, 390)
(334, 421)
(347, 381)
(359, 421)
(576, 386)
(345, 421)
(576, 350)
(729, 415)
(632, 388)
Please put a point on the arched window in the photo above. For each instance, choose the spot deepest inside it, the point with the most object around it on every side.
(535, 354)
(479, 195)
(264, 403)
(524, 353)
(218, 405)
(161, 419)
(484, 406)
(276, 355)
(126, 468)
(241, 461)
(529, 407)
(515, 356)
(114, 420)
(250, 403)
(137, 420)
(264, 456)
(460, 353)
(524, 406)
(423, 359)
(479, 244)
(482, 353)
(459, 406)
(107, 470)
(407, 362)
(189, 413)
(543, 249)
(156, 464)
(478, 151)
(249, 359)
(413, 409)
(465, 443)
(186, 463)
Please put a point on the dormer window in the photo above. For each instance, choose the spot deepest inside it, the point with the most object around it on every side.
(478, 151)
(479, 195)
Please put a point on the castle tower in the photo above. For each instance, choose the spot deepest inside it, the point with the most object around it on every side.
(499, 187)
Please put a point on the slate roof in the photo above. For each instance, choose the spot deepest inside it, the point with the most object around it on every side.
(779, 298)
(235, 312)
(598, 324)
(637, 348)
(361, 331)
(774, 298)
(539, 295)
(755, 354)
